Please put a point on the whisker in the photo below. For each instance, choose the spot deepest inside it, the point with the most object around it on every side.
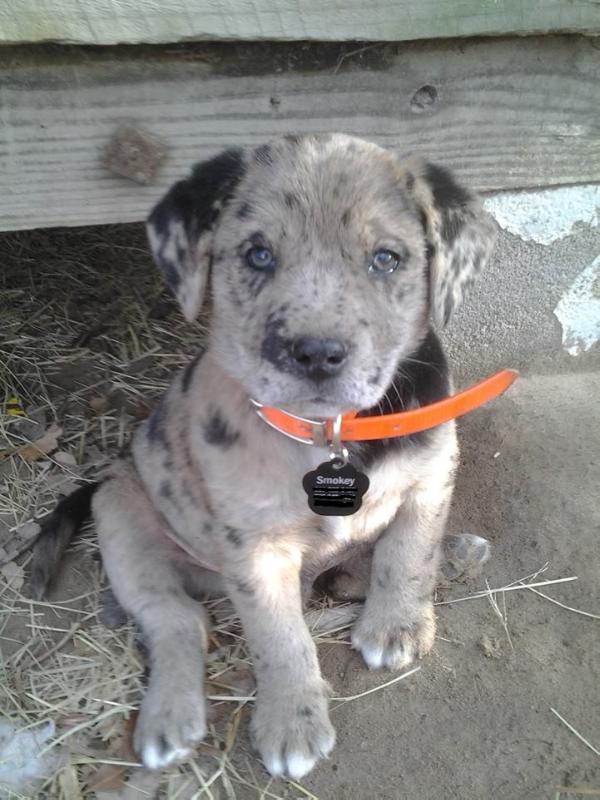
(424, 364)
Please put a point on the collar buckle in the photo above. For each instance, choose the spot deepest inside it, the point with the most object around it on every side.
(318, 426)
(338, 454)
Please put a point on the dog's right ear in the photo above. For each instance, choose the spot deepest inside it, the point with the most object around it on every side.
(180, 227)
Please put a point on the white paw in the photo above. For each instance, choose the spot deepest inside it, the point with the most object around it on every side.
(293, 734)
(295, 765)
(168, 729)
(389, 644)
(393, 656)
(299, 765)
(157, 755)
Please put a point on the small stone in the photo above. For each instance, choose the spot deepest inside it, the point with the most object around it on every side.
(490, 646)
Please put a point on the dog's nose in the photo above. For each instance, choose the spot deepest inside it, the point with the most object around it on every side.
(319, 358)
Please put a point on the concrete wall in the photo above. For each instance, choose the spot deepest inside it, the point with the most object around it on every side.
(547, 256)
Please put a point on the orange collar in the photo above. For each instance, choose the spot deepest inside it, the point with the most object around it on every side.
(388, 426)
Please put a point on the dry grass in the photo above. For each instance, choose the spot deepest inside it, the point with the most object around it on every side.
(88, 340)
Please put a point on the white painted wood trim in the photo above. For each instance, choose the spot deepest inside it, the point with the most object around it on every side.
(163, 21)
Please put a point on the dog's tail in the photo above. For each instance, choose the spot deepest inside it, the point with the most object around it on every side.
(58, 528)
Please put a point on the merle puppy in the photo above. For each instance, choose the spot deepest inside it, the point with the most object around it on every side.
(326, 258)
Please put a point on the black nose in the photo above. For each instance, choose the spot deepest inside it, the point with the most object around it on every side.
(319, 358)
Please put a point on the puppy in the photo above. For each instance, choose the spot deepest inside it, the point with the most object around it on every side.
(326, 258)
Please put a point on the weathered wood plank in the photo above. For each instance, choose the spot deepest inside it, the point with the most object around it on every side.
(501, 113)
(156, 21)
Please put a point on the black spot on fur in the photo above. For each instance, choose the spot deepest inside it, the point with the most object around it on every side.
(188, 373)
(292, 138)
(420, 380)
(187, 452)
(383, 577)
(254, 280)
(195, 203)
(275, 347)
(410, 181)
(458, 264)
(218, 432)
(171, 274)
(346, 217)
(375, 377)
(305, 711)
(233, 536)
(452, 224)
(446, 192)
(189, 494)
(156, 425)
(264, 155)
(290, 200)
(244, 211)
(164, 746)
(166, 490)
(364, 322)
(448, 306)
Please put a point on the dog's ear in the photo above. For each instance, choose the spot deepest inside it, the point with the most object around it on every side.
(180, 227)
(460, 236)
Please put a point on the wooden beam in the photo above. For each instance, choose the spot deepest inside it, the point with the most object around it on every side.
(504, 114)
(161, 21)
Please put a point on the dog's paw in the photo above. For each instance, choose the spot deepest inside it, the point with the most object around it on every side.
(388, 641)
(293, 732)
(169, 727)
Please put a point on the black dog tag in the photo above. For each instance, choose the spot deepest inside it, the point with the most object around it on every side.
(335, 489)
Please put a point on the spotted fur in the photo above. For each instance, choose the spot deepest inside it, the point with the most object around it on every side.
(211, 498)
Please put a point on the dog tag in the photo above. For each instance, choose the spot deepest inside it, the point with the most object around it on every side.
(335, 488)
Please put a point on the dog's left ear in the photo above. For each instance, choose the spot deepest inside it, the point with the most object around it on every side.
(460, 236)
(180, 227)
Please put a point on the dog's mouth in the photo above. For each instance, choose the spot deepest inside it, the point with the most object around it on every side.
(353, 390)
(315, 407)
(319, 408)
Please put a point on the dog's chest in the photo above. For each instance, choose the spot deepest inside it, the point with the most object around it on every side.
(259, 486)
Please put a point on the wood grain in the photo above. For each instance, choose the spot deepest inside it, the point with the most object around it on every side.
(503, 114)
(161, 21)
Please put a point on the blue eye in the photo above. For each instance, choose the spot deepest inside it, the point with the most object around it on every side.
(383, 262)
(260, 258)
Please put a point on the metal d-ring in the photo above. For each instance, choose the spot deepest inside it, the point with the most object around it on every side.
(338, 454)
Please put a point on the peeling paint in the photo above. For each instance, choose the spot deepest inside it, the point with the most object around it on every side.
(548, 215)
(579, 311)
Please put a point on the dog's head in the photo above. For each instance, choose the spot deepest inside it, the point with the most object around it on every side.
(325, 256)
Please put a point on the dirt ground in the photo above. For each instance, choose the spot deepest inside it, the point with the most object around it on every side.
(476, 721)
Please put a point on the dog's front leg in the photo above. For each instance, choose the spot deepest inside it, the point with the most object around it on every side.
(397, 623)
(138, 558)
(291, 726)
